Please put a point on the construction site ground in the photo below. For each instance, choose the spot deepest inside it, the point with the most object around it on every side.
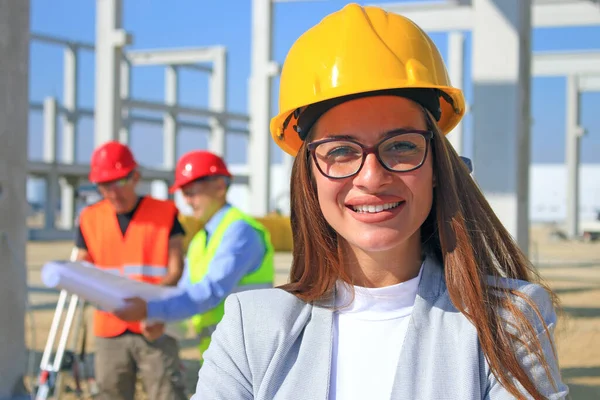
(571, 268)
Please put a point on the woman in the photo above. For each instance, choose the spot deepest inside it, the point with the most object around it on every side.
(404, 284)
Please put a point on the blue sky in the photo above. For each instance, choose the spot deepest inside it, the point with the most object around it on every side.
(188, 23)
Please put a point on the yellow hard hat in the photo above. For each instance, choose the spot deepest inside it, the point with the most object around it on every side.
(359, 51)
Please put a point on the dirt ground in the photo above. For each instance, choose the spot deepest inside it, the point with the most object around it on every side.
(571, 268)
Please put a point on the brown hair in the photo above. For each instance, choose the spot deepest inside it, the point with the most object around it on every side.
(463, 232)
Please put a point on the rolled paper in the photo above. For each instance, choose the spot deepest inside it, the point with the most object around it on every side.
(103, 289)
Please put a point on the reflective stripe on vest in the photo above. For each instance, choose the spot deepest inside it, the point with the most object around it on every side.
(155, 271)
(201, 253)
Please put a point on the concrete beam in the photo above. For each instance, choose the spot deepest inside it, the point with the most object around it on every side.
(40, 168)
(554, 14)
(589, 83)
(566, 63)
(175, 56)
(195, 111)
(14, 114)
(133, 118)
(444, 17)
(435, 17)
(55, 40)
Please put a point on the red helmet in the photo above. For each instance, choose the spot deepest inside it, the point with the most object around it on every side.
(198, 164)
(111, 161)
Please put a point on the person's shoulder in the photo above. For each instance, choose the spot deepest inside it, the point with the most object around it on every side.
(266, 311)
(169, 204)
(90, 209)
(273, 301)
(242, 230)
(529, 297)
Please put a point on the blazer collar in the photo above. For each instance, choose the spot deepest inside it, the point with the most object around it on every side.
(432, 283)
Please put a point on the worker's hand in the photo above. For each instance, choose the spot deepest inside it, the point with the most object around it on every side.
(152, 331)
(133, 309)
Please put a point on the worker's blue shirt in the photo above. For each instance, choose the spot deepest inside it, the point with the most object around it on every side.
(241, 252)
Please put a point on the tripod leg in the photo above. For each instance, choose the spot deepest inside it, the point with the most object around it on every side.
(45, 379)
(51, 371)
(60, 351)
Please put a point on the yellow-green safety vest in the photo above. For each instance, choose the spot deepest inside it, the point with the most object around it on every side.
(200, 255)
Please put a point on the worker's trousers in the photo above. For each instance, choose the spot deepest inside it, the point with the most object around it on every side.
(120, 359)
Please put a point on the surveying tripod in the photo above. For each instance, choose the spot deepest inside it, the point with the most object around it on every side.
(50, 382)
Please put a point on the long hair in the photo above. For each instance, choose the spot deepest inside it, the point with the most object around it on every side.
(463, 232)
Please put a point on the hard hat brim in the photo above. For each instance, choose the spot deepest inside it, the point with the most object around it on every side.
(106, 177)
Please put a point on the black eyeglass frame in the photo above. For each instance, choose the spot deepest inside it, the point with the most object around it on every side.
(366, 150)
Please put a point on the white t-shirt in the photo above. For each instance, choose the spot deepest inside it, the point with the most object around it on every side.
(367, 339)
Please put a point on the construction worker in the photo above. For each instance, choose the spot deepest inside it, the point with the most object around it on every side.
(232, 253)
(139, 237)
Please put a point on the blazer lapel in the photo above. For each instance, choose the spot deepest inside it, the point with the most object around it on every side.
(321, 329)
(310, 373)
(408, 374)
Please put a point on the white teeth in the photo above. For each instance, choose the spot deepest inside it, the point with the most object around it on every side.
(375, 209)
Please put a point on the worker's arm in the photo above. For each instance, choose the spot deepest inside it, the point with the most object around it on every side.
(81, 246)
(241, 252)
(175, 262)
(175, 256)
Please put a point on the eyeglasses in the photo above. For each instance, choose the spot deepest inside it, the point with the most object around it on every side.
(401, 151)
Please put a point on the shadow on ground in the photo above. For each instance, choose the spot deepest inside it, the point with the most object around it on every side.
(579, 391)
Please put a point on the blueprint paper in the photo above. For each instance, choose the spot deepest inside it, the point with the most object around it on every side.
(103, 289)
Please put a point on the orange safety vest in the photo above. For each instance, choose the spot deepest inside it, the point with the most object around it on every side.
(141, 254)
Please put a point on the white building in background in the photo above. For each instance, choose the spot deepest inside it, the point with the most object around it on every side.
(547, 191)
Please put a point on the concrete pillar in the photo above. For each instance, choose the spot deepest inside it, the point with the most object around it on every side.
(14, 111)
(218, 102)
(259, 148)
(110, 40)
(67, 201)
(456, 56)
(501, 121)
(52, 189)
(159, 189)
(572, 150)
(170, 119)
(124, 132)
(69, 135)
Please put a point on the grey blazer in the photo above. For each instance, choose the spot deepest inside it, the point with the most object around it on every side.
(271, 345)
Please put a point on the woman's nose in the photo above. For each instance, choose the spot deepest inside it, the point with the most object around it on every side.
(372, 176)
